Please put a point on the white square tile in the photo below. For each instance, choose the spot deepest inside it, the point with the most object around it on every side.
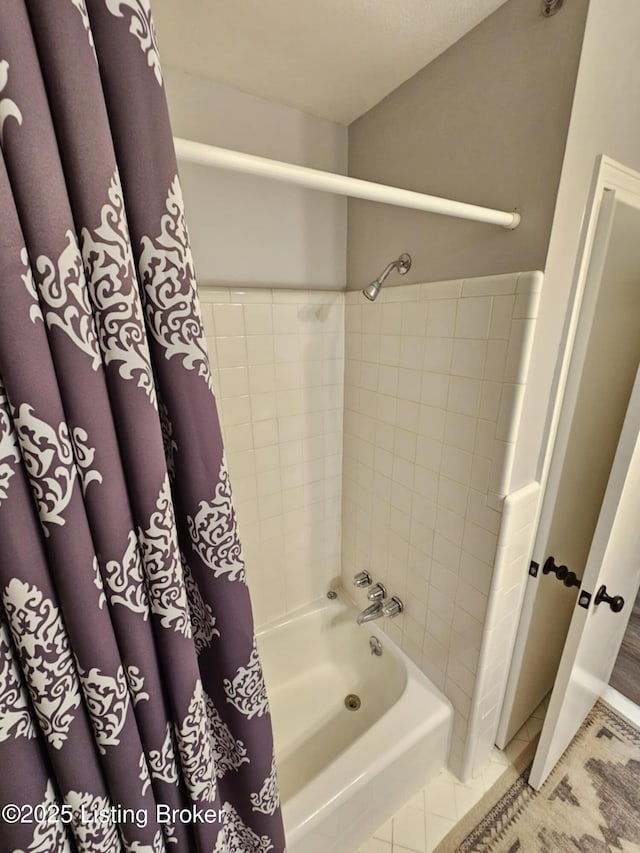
(404, 444)
(403, 472)
(228, 319)
(238, 438)
(414, 319)
(435, 388)
(469, 358)
(412, 351)
(456, 464)
(260, 349)
(425, 483)
(496, 360)
(265, 433)
(441, 290)
(480, 468)
(231, 352)
(407, 414)
(387, 379)
(263, 405)
(449, 524)
(473, 317)
(464, 395)
(452, 495)
(446, 552)
(285, 318)
(385, 408)
(441, 318)
(460, 431)
(262, 378)
(443, 579)
(471, 600)
(428, 452)
(258, 319)
(490, 401)
(234, 381)
(409, 384)
(286, 347)
(391, 319)
(437, 354)
(421, 535)
(289, 375)
(485, 436)
(479, 542)
(236, 410)
(431, 422)
(389, 349)
(501, 316)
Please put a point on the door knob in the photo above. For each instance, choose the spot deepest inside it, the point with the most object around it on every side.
(571, 579)
(615, 602)
(550, 566)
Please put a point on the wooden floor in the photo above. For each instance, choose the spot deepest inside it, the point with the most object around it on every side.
(626, 673)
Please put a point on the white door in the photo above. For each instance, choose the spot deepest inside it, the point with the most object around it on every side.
(596, 630)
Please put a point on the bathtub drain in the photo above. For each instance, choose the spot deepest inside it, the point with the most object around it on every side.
(352, 702)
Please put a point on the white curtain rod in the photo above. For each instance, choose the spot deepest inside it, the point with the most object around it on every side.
(224, 158)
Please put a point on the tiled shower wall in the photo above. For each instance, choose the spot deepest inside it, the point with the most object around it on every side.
(429, 382)
(434, 381)
(278, 365)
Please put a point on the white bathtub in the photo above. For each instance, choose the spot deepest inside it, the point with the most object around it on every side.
(343, 773)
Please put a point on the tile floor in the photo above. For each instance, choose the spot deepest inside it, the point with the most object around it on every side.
(420, 825)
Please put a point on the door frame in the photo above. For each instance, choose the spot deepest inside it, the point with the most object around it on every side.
(608, 176)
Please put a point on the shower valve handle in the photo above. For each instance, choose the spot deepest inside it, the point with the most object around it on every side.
(392, 606)
(362, 579)
(377, 592)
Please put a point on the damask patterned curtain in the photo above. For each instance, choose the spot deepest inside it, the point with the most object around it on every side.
(133, 713)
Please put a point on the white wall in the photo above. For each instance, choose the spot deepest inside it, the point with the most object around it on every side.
(605, 120)
(252, 231)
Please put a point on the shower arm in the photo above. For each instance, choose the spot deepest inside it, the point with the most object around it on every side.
(400, 264)
(397, 264)
(223, 158)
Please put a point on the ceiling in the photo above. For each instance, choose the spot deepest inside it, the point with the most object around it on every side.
(331, 58)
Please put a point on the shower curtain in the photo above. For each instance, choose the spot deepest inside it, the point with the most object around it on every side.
(133, 712)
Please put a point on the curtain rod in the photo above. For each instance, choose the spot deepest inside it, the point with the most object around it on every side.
(315, 179)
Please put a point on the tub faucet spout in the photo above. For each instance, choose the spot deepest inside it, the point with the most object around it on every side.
(373, 611)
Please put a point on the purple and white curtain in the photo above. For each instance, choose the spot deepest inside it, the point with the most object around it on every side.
(133, 712)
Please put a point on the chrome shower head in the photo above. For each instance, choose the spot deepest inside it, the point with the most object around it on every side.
(372, 290)
(402, 264)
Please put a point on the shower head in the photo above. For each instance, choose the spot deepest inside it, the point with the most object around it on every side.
(402, 264)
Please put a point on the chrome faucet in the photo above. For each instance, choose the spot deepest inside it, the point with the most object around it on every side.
(373, 611)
